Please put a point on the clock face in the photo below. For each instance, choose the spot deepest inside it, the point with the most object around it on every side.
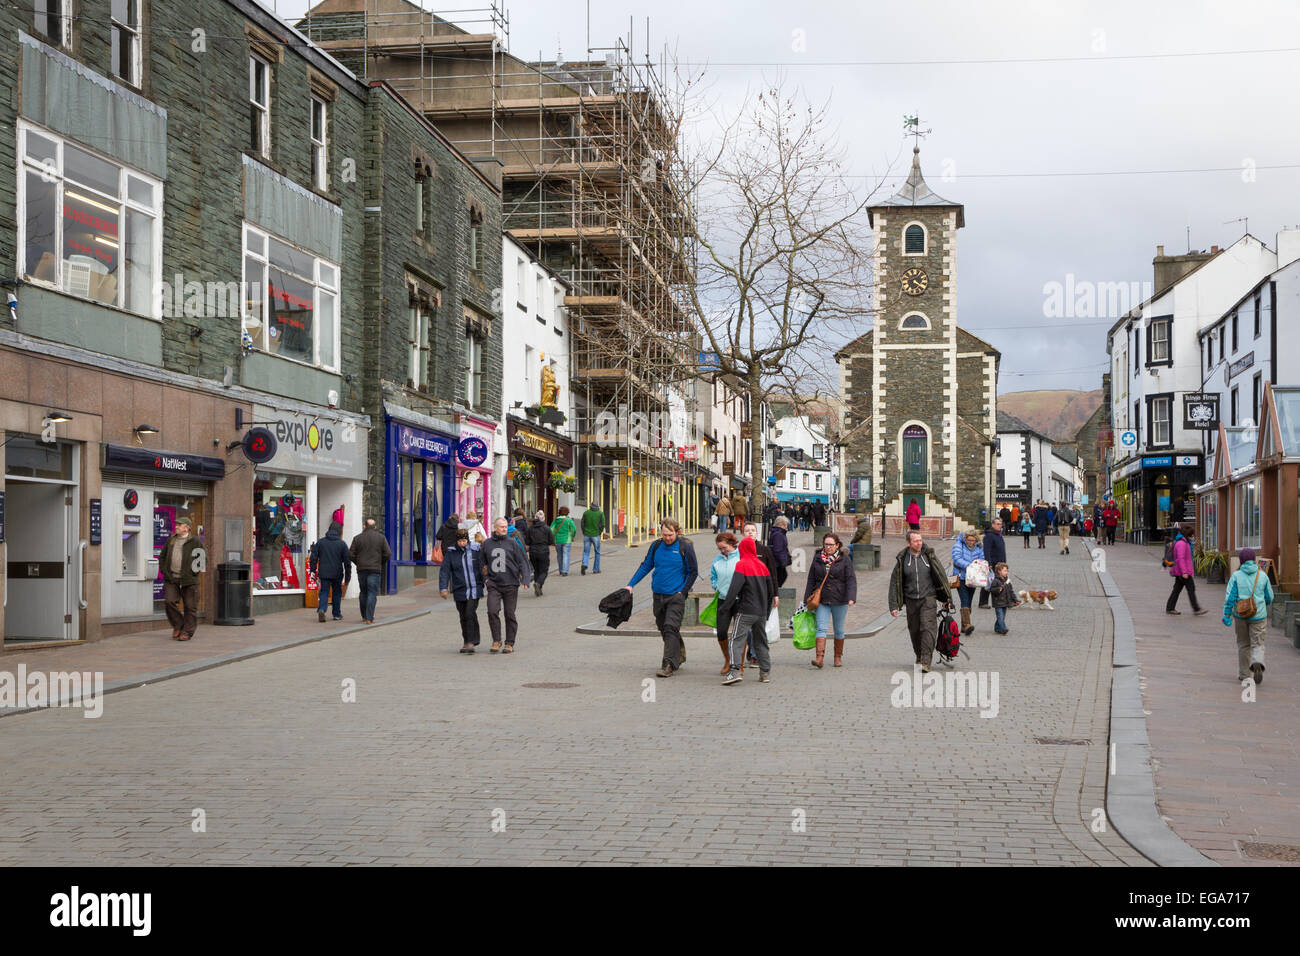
(915, 281)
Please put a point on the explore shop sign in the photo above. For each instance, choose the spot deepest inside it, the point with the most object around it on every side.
(315, 445)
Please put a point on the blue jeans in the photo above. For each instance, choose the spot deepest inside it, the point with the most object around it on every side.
(331, 593)
(369, 581)
(589, 543)
(1001, 624)
(562, 550)
(828, 614)
(963, 592)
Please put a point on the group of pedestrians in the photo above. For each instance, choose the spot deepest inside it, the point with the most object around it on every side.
(998, 593)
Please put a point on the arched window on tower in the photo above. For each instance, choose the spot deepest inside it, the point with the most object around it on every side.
(914, 240)
(914, 320)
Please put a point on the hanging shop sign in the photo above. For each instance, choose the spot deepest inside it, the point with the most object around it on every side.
(472, 452)
(1239, 366)
(260, 445)
(311, 444)
(526, 442)
(1201, 410)
(143, 461)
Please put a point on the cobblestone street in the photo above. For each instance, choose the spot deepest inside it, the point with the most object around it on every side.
(438, 747)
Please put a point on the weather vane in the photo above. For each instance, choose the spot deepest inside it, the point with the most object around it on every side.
(912, 124)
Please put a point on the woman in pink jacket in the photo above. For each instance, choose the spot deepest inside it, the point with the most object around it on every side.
(1183, 572)
(914, 516)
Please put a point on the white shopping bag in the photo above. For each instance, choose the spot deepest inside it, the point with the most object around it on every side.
(773, 627)
(977, 574)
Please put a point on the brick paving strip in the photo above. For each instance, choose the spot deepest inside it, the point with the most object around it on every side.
(561, 742)
(1226, 771)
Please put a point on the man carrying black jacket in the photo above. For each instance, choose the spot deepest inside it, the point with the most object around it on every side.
(505, 571)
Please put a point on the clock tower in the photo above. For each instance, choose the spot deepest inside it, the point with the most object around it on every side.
(920, 393)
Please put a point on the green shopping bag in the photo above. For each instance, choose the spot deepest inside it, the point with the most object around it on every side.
(709, 616)
(805, 630)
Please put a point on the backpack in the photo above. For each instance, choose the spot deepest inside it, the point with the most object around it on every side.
(948, 643)
(1168, 560)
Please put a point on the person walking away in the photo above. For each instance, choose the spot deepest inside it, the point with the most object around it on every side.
(724, 565)
(182, 562)
(739, 510)
(515, 531)
(832, 575)
(722, 513)
(331, 564)
(1004, 596)
(1112, 520)
(748, 602)
(1005, 515)
(1041, 524)
(1183, 572)
(965, 550)
(540, 538)
(447, 533)
(916, 585)
(564, 530)
(1063, 521)
(1245, 586)
(461, 577)
(995, 550)
(1087, 526)
(477, 533)
(593, 525)
(1026, 527)
(765, 555)
(672, 561)
(506, 569)
(1015, 517)
(371, 554)
(778, 543)
(914, 516)
(1098, 514)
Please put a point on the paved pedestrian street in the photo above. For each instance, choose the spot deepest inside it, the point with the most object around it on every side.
(570, 751)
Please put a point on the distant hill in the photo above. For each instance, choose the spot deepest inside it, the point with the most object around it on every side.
(1057, 413)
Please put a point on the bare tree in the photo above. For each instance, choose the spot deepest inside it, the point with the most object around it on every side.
(784, 276)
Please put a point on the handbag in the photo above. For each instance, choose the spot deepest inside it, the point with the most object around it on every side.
(709, 616)
(1246, 608)
(773, 627)
(815, 598)
(977, 574)
(437, 553)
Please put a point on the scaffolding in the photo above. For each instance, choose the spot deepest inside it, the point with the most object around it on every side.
(594, 184)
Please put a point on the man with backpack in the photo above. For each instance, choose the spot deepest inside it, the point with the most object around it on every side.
(1178, 559)
(917, 583)
(1246, 604)
(1064, 518)
(675, 569)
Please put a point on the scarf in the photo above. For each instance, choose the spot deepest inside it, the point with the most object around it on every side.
(749, 565)
(828, 560)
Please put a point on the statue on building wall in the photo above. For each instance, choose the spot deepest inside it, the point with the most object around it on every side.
(550, 390)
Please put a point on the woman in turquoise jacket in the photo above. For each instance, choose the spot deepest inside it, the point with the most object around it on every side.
(1249, 581)
(724, 565)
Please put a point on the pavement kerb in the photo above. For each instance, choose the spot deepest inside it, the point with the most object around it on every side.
(207, 663)
(1130, 787)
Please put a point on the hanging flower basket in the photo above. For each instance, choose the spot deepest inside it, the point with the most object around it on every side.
(524, 471)
(559, 481)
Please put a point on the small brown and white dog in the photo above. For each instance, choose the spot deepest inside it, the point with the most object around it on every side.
(1038, 599)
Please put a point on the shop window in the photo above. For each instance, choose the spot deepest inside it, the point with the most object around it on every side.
(53, 21)
(319, 149)
(1209, 523)
(419, 509)
(291, 306)
(90, 227)
(279, 531)
(259, 106)
(1248, 514)
(125, 40)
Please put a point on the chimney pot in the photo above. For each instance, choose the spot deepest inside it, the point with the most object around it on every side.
(1160, 250)
(1213, 249)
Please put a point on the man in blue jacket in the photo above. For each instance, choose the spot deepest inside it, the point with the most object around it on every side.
(331, 564)
(462, 575)
(672, 560)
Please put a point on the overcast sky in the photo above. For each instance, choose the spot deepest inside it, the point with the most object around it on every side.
(1113, 90)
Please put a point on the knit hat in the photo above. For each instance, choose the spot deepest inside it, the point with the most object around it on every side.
(1247, 554)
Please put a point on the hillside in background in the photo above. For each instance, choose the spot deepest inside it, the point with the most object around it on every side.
(1057, 413)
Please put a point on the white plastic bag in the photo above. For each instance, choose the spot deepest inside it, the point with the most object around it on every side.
(977, 574)
(773, 627)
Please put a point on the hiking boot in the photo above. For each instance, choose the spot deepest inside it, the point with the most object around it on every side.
(1258, 670)
(320, 616)
(732, 678)
(665, 671)
(765, 677)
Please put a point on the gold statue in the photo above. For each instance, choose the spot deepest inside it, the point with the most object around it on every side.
(550, 390)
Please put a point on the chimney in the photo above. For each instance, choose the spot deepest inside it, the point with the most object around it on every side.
(490, 167)
(1169, 269)
(1288, 246)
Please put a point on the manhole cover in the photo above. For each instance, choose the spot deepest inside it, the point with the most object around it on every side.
(1070, 741)
(551, 685)
(1280, 852)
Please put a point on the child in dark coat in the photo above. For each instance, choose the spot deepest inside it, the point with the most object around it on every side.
(1002, 594)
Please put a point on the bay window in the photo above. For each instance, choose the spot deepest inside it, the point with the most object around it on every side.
(88, 226)
(290, 301)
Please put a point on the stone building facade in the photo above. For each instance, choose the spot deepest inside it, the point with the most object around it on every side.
(920, 393)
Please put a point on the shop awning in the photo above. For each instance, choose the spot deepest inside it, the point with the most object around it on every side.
(810, 497)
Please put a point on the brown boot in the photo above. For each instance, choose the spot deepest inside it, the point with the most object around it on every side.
(820, 659)
(839, 652)
(966, 626)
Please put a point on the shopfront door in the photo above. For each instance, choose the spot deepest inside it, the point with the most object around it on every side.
(40, 566)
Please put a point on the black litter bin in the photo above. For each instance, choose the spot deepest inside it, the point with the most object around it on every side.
(234, 594)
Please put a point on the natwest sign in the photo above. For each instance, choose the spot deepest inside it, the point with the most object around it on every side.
(143, 461)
